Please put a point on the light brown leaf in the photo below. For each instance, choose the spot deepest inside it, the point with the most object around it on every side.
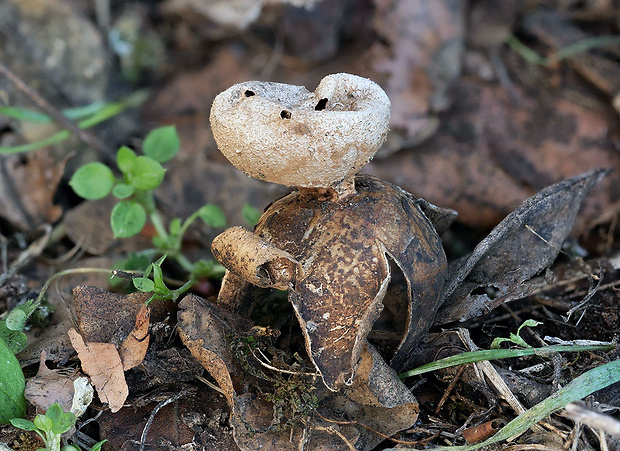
(134, 347)
(103, 364)
(49, 387)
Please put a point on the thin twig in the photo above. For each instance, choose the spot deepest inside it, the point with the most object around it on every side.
(210, 384)
(280, 370)
(448, 390)
(56, 115)
(33, 251)
(368, 428)
(157, 408)
(336, 432)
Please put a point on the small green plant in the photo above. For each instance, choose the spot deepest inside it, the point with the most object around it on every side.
(50, 428)
(13, 324)
(516, 338)
(250, 214)
(134, 189)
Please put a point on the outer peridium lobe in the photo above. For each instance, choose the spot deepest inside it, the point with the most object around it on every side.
(342, 247)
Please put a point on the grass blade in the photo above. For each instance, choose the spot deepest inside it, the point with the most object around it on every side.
(493, 354)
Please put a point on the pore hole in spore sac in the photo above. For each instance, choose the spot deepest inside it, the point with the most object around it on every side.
(321, 104)
(285, 114)
(249, 93)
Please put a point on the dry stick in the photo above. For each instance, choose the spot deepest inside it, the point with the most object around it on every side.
(448, 390)
(338, 433)
(58, 117)
(595, 420)
(368, 428)
(280, 370)
(33, 251)
(486, 369)
(163, 403)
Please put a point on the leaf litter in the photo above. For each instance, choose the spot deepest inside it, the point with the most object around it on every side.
(480, 287)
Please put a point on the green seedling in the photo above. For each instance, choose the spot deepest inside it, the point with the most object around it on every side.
(516, 338)
(250, 214)
(50, 428)
(13, 324)
(134, 189)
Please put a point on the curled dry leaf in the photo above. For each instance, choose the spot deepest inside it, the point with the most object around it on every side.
(133, 349)
(103, 364)
(525, 243)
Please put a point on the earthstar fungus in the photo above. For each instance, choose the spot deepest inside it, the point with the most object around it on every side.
(330, 241)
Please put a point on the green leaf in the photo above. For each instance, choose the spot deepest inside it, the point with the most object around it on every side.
(64, 423)
(213, 216)
(22, 114)
(125, 159)
(127, 219)
(162, 144)
(250, 214)
(492, 354)
(146, 173)
(12, 384)
(54, 412)
(143, 284)
(580, 387)
(43, 423)
(16, 320)
(72, 448)
(158, 280)
(23, 424)
(175, 226)
(92, 181)
(208, 268)
(122, 190)
(15, 340)
(97, 446)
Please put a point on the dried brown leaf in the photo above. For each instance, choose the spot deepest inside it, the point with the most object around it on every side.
(133, 349)
(416, 61)
(104, 316)
(49, 387)
(203, 328)
(27, 188)
(103, 364)
(525, 243)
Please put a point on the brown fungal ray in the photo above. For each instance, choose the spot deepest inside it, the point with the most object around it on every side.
(343, 248)
(254, 259)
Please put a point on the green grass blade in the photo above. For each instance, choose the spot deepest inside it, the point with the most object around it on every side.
(580, 387)
(493, 354)
(101, 114)
(22, 114)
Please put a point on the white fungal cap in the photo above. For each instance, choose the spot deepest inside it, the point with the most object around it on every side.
(285, 134)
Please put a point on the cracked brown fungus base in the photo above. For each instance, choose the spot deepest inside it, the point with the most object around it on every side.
(330, 240)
